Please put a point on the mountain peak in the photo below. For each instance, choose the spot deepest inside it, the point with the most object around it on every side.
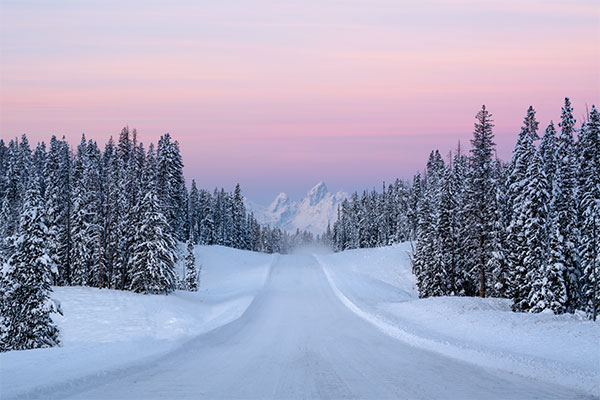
(280, 202)
(317, 193)
(310, 213)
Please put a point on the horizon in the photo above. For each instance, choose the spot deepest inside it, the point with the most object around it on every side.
(277, 97)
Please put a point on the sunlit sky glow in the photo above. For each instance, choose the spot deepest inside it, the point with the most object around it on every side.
(279, 95)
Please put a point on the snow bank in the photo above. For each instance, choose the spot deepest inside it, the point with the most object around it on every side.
(112, 330)
(377, 284)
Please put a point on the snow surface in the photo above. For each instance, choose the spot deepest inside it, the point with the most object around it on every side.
(307, 325)
(377, 285)
(312, 213)
(112, 331)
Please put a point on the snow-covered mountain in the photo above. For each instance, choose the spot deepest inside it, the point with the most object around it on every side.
(312, 213)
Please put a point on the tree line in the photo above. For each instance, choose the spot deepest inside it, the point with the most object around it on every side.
(107, 219)
(526, 230)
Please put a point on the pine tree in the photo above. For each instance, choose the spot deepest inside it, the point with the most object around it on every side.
(498, 263)
(25, 304)
(58, 208)
(519, 202)
(564, 231)
(481, 195)
(171, 184)
(589, 187)
(79, 250)
(544, 281)
(191, 276)
(152, 259)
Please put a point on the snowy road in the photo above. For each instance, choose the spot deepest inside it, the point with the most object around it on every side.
(297, 340)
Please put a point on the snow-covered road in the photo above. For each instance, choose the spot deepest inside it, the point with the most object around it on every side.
(297, 340)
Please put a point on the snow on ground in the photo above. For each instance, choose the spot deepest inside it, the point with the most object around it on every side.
(277, 313)
(104, 330)
(377, 284)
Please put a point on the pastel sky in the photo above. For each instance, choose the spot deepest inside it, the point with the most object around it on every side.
(278, 95)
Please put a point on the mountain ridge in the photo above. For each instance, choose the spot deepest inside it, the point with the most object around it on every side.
(311, 213)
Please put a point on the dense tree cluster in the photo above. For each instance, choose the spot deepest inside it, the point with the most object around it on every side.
(221, 218)
(108, 219)
(526, 230)
(373, 219)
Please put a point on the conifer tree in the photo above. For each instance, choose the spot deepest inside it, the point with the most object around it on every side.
(589, 251)
(544, 280)
(481, 195)
(564, 231)
(153, 255)
(25, 304)
(191, 275)
(58, 208)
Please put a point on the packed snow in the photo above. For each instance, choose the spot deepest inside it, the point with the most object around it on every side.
(309, 325)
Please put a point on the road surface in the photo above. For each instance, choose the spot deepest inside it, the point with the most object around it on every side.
(297, 340)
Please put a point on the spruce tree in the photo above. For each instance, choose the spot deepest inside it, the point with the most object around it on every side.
(191, 275)
(481, 195)
(545, 281)
(589, 187)
(25, 304)
(58, 208)
(152, 259)
(564, 230)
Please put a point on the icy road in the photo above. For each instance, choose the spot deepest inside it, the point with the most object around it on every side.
(297, 340)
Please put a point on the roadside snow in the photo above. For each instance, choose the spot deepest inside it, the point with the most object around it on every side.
(377, 285)
(111, 330)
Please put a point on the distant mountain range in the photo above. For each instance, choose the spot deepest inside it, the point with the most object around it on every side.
(312, 213)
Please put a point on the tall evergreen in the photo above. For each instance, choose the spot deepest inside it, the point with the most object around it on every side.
(589, 206)
(58, 208)
(191, 275)
(519, 201)
(25, 304)
(481, 195)
(171, 185)
(564, 231)
(152, 257)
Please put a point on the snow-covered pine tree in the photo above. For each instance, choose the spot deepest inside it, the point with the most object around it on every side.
(547, 149)
(25, 304)
(431, 277)
(39, 159)
(463, 284)
(191, 275)
(79, 250)
(194, 211)
(498, 263)
(413, 205)
(58, 208)
(3, 167)
(239, 228)
(589, 205)
(564, 231)
(207, 222)
(171, 184)
(481, 195)
(153, 255)
(112, 212)
(18, 171)
(545, 281)
(447, 244)
(518, 174)
(92, 181)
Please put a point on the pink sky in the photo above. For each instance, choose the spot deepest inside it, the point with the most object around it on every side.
(280, 95)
